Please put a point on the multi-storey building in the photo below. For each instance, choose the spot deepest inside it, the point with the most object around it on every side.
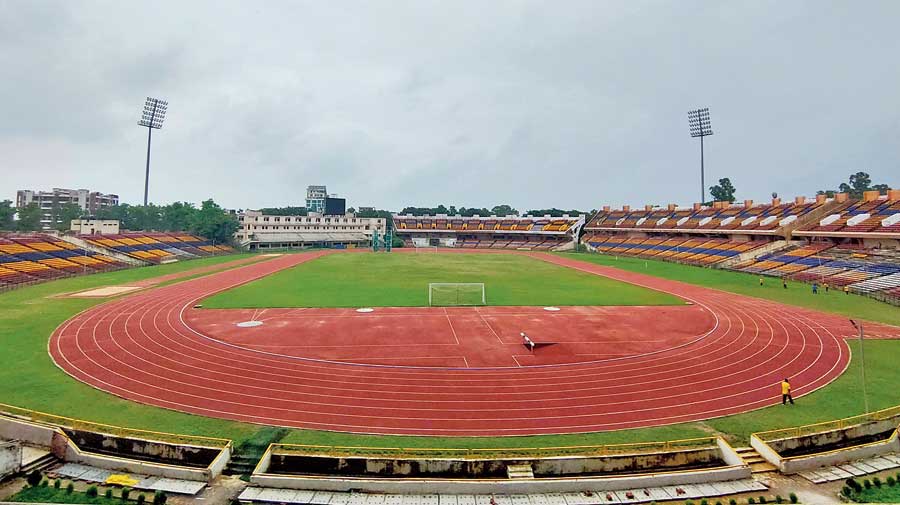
(261, 231)
(315, 198)
(88, 201)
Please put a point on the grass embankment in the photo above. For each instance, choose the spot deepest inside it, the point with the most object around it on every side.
(401, 280)
(29, 379)
(48, 494)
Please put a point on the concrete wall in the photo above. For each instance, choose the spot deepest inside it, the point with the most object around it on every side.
(771, 451)
(562, 474)
(75, 455)
(10, 458)
(505, 486)
(495, 468)
(143, 449)
(26, 431)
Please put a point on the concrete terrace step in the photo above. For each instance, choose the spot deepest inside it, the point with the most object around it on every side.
(757, 463)
(519, 472)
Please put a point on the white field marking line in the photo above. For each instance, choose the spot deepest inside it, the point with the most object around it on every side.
(486, 323)
(455, 338)
(466, 362)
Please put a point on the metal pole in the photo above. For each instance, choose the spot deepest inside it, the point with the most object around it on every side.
(862, 366)
(147, 173)
(702, 179)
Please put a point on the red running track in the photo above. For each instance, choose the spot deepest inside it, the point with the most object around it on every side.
(145, 348)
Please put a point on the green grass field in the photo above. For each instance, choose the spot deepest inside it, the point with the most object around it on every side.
(401, 280)
(29, 379)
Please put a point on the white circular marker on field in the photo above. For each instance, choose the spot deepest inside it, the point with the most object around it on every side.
(249, 324)
(552, 309)
(365, 309)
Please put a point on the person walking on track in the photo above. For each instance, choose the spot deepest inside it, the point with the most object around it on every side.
(786, 392)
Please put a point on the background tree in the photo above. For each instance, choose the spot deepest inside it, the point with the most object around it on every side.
(7, 212)
(29, 217)
(64, 214)
(176, 216)
(857, 184)
(213, 223)
(504, 210)
(724, 191)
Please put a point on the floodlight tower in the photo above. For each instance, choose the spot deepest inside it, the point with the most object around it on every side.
(698, 120)
(152, 118)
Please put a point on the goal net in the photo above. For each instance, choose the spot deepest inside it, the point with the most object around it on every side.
(426, 248)
(449, 294)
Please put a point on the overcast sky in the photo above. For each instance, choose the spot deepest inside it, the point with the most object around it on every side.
(392, 103)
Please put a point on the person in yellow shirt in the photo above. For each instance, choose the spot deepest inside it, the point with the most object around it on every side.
(786, 392)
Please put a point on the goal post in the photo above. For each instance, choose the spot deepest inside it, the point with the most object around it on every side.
(426, 248)
(451, 294)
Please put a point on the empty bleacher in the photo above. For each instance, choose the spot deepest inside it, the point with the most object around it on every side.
(538, 233)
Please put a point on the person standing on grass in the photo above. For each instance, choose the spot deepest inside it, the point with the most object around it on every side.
(760, 280)
(784, 282)
(825, 285)
(847, 289)
(786, 392)
(815, 288)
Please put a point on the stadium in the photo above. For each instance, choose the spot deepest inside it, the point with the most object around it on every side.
(628, 356)
(434, 253)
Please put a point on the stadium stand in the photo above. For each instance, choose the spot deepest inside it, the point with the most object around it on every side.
(838, 241)
(155, 248)
(29, 258)
(509, 232)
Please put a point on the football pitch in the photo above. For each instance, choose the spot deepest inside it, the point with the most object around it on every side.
(402, 279)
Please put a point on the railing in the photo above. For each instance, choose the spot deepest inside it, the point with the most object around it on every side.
(837, 424)
(494, 453)
(119, 431)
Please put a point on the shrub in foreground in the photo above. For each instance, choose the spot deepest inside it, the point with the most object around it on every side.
(33, 478)
(793, 498)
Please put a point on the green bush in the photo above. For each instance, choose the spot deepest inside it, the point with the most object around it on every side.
(159, 498)
(762, 499)
(778, 498)
(704, 502)
(57, 483)
(793, 498)
(891, 481)
(141, 499)
(45, 483)
(70, 488)
(108, 493)
(125, 492)
(847, 491)
(751, 501)
(877, 482)
(718, 503)
(732, 502)
(33, 478)
(867, 484)
(91, 491)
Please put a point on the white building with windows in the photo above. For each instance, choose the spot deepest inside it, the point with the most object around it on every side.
(50, 201)
(260, 231)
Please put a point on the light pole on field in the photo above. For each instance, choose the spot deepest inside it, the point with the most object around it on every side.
(862, 363)
(698, 120)
(151, 118)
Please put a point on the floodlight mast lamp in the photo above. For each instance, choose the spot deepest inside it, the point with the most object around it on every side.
(151, 118)
(698, 120)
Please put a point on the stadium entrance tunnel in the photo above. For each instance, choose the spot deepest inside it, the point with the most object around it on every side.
(458, 337)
